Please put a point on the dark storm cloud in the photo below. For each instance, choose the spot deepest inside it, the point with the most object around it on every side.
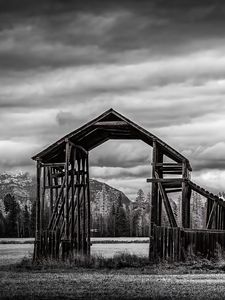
(161, 63)
(51, 33)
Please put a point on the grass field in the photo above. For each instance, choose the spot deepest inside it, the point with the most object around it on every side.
(16, 249)
(125, 276)
(104, 284)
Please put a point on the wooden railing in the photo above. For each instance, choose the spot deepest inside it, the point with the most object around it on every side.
(175, 244)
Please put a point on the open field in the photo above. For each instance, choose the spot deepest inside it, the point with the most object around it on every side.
(94, 240)
(14, 252)
(104, 284)
(163, 281)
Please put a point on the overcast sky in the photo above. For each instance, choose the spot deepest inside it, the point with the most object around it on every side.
(160, 63)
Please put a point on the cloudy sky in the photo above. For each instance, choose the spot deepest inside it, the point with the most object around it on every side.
(160, 63)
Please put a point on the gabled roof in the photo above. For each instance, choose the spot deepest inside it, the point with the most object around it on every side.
(109, 125)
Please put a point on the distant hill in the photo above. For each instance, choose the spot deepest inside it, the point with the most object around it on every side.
(103, 196)
(22, 186)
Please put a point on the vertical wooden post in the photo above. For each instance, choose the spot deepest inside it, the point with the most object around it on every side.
(186, 195)
(43, 199)
(154, 185)
(50, 183)
(72, 196)
(159, 197)
(88, 208)
(78, 205)
(37, 249)
(66, 214)
(84, 248)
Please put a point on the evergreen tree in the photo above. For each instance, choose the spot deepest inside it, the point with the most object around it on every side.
(12, 208)
(112, 221)
(2, 219)
(26, 222)
(140, 196)
(121, 222)
(33, 219)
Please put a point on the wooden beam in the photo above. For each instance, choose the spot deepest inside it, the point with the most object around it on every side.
(165, 180)
(164, 164)
(111, 124)
(53, 165)
(167, 205)
(66, 214)
(154, 194)
(38, 212)
(212, 213)
(88, 209)
(173, 190)
(43, 198)
(186, 193)
(57, 204)
(77, 146)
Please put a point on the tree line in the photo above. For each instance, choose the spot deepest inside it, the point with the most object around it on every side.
(130, 221)
(16, 221)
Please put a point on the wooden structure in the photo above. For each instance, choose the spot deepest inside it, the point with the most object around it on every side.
(63, 194)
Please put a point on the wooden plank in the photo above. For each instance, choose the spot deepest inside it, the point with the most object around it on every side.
(56, 204)
(57, 164)
(212, 213)
(76, 146)
(165, 180)
(84, 250)
(168, 208)
(78, 210)
(38, 212)
(112, 124)
(88, 209)
(154, 193)
(173, 191)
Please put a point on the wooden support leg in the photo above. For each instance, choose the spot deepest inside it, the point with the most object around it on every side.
(37, 249)
(186, 196)
(88, 209)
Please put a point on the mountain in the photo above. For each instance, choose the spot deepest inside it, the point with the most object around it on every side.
(22, 186)
(103, 196)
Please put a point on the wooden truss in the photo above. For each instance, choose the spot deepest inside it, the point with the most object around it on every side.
(63, 193)
(63, 222)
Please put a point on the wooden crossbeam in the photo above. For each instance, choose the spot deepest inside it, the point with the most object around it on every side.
(57, 203)
(111, 124)
(165, 180)
(173, 190)
(211, 216)
(77, 146)
(168, 164)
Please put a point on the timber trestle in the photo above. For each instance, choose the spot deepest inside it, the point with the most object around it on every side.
(63, 206)
(63, 211)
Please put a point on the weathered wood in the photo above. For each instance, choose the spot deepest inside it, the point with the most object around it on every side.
(57, 204)
(154, 185)
(212, 213)
(111, 124)
(42, 211)
(78, 211)
(38, 212)
(173, 190)
(66, 213)
(166, 201)
(88, 209)
(186, 195)
(77, 146)
(165, 180)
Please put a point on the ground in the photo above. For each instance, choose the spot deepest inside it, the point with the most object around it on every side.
(105, 284)
(194, 279)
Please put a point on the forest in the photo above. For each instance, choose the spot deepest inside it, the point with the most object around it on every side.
(121, 219)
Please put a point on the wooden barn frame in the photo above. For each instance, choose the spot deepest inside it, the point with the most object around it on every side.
(63, 213)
